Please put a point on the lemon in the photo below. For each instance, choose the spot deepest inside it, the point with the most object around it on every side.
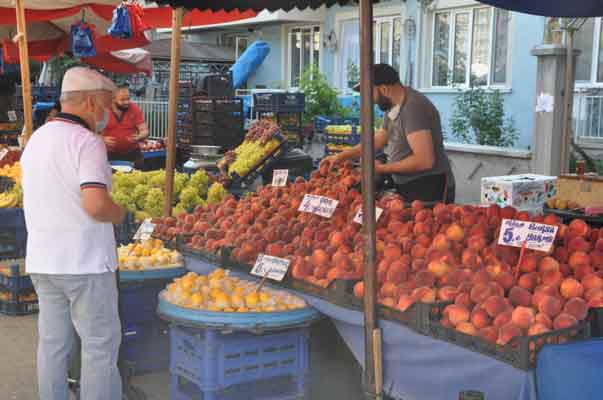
(252, 300)
(197, 300)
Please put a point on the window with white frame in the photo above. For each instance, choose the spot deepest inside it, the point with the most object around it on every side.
(304, 51)
(241, 44)
(470, 45)
(589, 64)
(387, 39)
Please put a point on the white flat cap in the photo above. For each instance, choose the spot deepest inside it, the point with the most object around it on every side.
(79, 79)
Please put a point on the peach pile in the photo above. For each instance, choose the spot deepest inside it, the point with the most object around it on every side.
(448, 253)
(451, 253)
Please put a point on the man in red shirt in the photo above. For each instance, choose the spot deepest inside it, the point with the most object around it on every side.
(125, 129)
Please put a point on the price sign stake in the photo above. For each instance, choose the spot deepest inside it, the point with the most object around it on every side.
(270, 267)
(527, 234)
(279, 177)
(145, 230)
(360, 214)
(319, 205)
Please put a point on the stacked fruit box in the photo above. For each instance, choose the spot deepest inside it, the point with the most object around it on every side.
(341, 134)
(17, 295)
(285, 109)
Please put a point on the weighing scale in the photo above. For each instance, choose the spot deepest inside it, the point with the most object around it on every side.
(202, 157)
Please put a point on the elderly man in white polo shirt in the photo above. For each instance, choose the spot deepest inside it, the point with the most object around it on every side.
(71, 253)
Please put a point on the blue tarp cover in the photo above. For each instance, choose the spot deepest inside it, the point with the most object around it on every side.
(249, 62)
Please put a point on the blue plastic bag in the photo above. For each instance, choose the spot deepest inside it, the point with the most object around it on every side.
(82, 42)
(249, 62)
(121, 27)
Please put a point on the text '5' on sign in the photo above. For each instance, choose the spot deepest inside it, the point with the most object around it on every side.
(145, 230)
(279, 177)
(274, 268)
(3, 153)
(535, 236)
(359, 215)
(318, 205)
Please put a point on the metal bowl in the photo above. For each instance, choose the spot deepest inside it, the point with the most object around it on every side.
(204, 150)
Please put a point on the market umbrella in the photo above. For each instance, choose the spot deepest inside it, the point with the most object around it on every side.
(372, 334)
(131, 61)
(565, 9)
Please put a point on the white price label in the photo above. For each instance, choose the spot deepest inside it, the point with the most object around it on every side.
(12, 115)
(274, 268)
(145, 230)
(535, 236)
(3, 153)
(279, 177)
(360, 214)
(318, 205)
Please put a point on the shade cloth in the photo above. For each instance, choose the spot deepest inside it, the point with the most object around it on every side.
(551, 8)
(418, 367)
(256, 5)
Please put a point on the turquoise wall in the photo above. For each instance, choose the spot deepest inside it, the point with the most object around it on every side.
(527, 32)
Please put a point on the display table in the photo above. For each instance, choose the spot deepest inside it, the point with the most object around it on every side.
(418, 367)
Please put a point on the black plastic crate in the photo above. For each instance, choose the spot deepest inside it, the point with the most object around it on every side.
(186, 250)
(279, 102)
(263, 164)
(595, 317)
(520, 352)
(218, 105)
(418, 317)
(139, 300)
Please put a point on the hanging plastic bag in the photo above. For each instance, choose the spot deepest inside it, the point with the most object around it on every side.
(82, 40)
(136, 12)
(121, 26)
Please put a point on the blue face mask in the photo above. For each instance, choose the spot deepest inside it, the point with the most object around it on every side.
(102, 124)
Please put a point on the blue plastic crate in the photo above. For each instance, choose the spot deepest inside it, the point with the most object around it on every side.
(214, 361)
(146, 347)
(139, 300)
(281, 388)
(14, 280)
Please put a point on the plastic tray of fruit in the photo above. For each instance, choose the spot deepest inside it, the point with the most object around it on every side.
(520, 352)
(568, 215)
(337, 292)
(271, 156)
(220, 300)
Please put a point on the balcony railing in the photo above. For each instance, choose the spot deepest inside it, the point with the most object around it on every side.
(156, 117)
(588, 115)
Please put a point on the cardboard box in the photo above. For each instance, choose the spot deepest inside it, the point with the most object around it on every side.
(525, 192)
(586, 190)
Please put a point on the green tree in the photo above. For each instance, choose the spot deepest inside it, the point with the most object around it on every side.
(321, 98)
(479, 117)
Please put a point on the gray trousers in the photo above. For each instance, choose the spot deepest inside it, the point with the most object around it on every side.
(87, 303)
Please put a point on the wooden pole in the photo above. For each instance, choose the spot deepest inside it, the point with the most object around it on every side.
(170, 162)
(368, 192)
(24, 66)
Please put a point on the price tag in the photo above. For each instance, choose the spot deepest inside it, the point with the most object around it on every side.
(360, 214)
(145, 230)
(318, 205)
(279, 177)
(535, 236)
(12, 115)
(3, 153)
(274, 268)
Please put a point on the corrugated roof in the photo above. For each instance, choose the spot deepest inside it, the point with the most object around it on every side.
(190, 51)
(256, 5)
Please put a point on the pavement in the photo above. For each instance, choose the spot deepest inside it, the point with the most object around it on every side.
(334, 373)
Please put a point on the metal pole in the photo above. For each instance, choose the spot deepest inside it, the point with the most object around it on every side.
(24, 64)
(170, 162)
(568, 102)
(368, 192)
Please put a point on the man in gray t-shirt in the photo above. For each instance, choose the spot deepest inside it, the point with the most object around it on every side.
(412, 140)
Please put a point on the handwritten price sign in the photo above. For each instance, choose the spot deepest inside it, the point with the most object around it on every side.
(535, 236)
(3, 153)
(12, 115)
(274, 268)
(318, 205)
(360, 214)
(279, 177)
(145, 230)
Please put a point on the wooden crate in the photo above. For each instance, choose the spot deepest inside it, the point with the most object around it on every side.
(586, 190)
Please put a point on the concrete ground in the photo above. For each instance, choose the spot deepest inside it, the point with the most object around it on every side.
(334, 371)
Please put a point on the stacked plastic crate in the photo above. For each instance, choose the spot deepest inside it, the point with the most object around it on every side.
(285, 109)
(341, 134)
(218, 122)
